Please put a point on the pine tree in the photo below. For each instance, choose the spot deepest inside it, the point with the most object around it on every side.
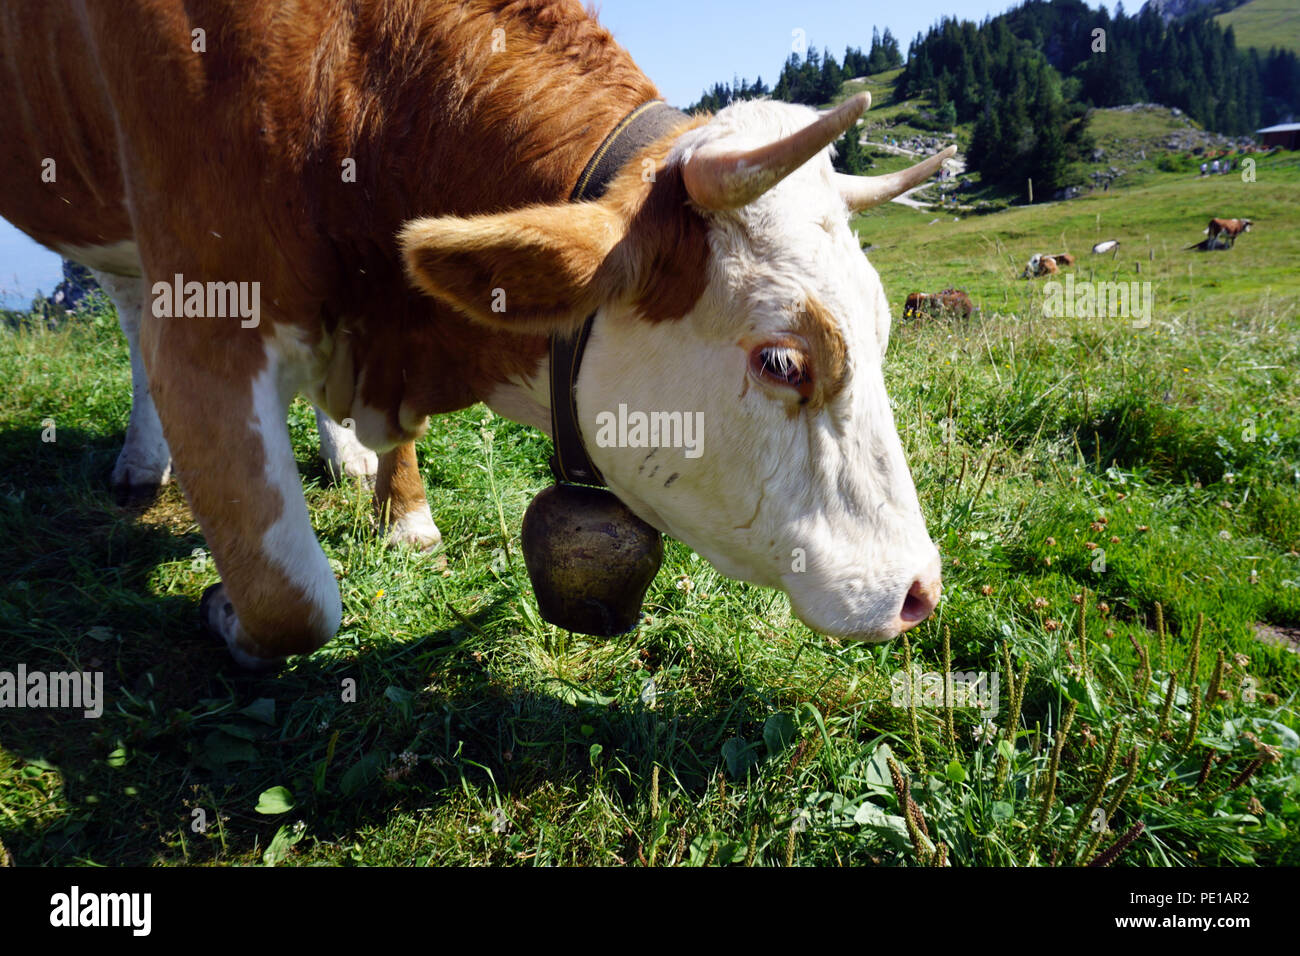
(831, 78)
(849, 155)
(876, 58)
(889, 45)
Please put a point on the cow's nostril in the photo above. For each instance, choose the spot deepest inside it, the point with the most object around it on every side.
(922, 598)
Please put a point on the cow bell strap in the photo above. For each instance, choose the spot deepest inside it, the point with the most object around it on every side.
(648, 122)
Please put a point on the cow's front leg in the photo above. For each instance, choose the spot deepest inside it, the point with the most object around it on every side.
(400, 504)
(144, 463)
(234, 461)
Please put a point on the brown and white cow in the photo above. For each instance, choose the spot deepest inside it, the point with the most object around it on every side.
(1228, 229)
(1040, 264)
(214, 142)
(948, 302)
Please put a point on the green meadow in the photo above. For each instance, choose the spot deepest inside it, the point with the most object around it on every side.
(1264, 24)
(1117, 503)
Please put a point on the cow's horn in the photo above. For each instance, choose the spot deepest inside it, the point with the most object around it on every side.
(863, 192)
(729, 180)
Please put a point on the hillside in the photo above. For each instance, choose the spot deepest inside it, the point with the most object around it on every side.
(1265, 24)
(1131, 145)
(1155, 220)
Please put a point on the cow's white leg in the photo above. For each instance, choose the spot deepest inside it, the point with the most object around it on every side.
(144, 463)
(341, 451)
(400, 502)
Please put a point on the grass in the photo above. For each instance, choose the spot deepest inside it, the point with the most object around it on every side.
(1264, 24)
(446, 724)
(1114, 128)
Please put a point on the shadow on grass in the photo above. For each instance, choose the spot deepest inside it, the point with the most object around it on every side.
(187, 737)
(172, 770)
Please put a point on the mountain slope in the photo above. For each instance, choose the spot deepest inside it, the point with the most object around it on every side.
(1265, 24)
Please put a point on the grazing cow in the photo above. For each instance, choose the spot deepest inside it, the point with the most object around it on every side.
(1039, 265)
(948, 302)
(280, 151)
(1228, 229)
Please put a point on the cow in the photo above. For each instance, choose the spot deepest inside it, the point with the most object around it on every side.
(948, 302)
(1039, 265)
(1228, 229)
(390, 183)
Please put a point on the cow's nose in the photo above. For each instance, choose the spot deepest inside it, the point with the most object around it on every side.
(922, 597)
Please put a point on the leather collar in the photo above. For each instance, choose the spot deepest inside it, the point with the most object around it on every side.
(570, 464)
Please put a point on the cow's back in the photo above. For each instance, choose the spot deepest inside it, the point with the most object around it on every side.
(286, 143)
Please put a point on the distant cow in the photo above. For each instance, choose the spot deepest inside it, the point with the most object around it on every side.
(1040, 265)
(1229, 228)
(948, 302)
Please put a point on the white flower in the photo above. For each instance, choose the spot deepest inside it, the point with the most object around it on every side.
(985, 732)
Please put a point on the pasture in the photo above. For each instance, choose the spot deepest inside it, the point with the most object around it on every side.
(447, 724)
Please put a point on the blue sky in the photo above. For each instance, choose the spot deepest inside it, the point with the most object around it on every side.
(683, 45)
(686, 46)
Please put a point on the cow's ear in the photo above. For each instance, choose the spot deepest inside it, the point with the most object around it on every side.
(538, 269)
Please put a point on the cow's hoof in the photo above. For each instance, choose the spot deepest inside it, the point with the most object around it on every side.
(415, 530)
(131, 495)
(217, 617)
(356, 471)
(136, 485)
(344, 457)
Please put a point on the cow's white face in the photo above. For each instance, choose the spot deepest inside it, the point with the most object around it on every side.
(798, 479)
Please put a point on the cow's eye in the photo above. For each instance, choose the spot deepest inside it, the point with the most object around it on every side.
(782, 365)
(783, 362)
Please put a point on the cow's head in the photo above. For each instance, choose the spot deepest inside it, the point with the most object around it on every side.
(729, 286)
